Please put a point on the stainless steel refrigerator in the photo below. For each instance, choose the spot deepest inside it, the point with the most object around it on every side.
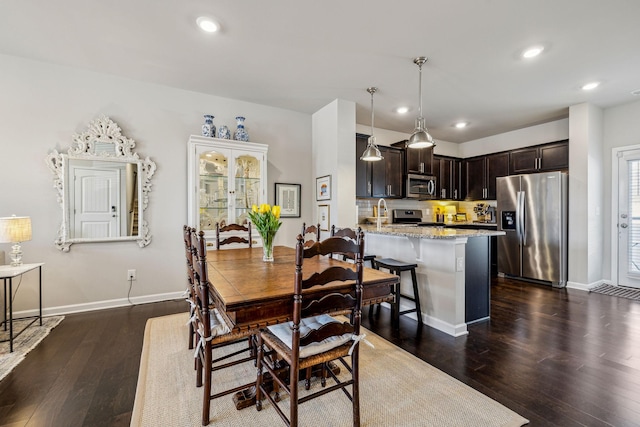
(532, 211)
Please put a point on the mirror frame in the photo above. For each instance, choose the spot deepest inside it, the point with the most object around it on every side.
(104, 131)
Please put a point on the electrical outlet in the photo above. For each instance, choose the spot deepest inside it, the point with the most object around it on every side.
(131, 275)
(460, 264)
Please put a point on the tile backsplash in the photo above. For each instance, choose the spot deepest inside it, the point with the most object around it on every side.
(429, 208)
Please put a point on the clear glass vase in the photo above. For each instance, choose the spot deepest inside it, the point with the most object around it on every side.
(267, 252)
(267, 247)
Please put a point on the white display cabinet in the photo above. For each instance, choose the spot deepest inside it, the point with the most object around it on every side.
(226, 178)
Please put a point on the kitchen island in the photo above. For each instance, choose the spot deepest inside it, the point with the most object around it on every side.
(454, 273)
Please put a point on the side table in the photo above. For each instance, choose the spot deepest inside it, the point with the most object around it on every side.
(7, 273)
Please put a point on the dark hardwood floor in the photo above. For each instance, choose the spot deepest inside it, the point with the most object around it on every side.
(557, 357)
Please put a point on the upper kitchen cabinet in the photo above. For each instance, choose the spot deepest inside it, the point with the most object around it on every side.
(225, 180)
(417, 160)
(382, 178)
(447, 171)
(481, 173)
(540, 158)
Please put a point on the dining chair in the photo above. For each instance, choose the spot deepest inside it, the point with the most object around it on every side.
(191, 291)
(231, 230)
(314, 231)
(351, 234)
(314, 338)
(213, 333)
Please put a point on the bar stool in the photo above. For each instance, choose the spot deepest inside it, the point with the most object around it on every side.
(365, 258)
(397, 267)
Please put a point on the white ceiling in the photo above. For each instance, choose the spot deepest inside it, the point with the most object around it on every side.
(301, 55)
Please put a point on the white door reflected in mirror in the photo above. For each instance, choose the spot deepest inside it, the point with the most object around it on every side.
(103, 188)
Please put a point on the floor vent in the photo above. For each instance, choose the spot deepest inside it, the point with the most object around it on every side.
(617, 291)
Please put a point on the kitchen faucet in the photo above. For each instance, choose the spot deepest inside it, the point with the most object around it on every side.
(379, 220)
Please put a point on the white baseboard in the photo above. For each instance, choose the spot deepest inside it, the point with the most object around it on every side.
(584, 286)
(100, 305)
(447, 328)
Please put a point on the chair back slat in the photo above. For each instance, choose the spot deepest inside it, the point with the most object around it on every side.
(221, 241)
(314, 231)
(330, 245)
(328, 304)
(329, 275)
(325, 331)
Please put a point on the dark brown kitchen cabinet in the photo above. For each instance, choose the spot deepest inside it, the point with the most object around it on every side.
(481, 173)
(540, 158)
(382, 178)
(418, 161)
(448, 177)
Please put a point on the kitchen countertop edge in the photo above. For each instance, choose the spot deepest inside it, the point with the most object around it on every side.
(429, 232)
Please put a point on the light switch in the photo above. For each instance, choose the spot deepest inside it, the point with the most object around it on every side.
(460, 263)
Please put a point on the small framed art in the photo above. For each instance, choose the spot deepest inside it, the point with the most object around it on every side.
(323, 217)
(323, 188)
(288, 198)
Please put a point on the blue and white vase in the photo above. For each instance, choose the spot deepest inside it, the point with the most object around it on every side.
(241, 134)
(208, 129)
(224, 132)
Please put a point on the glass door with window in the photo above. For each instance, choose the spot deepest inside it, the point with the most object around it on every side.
(628, 218)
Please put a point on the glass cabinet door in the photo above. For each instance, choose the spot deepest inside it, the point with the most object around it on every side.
(213, 197)
(247, 185)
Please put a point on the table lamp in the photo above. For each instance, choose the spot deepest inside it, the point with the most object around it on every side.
(15, 229)
(450, 211)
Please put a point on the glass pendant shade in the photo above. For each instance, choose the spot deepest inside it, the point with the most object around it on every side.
(371, 153)
(420, 137)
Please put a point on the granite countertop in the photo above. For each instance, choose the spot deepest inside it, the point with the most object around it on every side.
(429, 232)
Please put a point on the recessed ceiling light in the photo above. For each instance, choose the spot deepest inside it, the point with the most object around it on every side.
(635, 92)
(207, 24)
(402, 110)
(591, 86)
(461, 125)
(532, 52)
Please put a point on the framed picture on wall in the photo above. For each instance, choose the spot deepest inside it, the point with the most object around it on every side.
(323, 188)
(323, 217)
(288, 198)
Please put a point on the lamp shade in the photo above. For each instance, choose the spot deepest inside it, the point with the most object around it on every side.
(15, 229)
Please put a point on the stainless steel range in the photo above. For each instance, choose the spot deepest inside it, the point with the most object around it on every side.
(411, 217)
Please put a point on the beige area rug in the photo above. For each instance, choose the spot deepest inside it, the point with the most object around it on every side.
(397, 389)
(25, 342)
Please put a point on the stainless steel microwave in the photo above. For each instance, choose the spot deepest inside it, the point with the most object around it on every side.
(420, 186)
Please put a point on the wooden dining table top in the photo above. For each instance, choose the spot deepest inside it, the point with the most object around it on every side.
(250, 292)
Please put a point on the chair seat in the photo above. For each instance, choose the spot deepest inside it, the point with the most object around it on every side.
(394, 264)
(283, 332)
(218, 325)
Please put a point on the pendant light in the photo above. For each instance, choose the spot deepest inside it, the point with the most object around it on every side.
(371, 154)
(420, 137)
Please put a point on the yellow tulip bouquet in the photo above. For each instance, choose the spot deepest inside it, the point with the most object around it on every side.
(266, 219)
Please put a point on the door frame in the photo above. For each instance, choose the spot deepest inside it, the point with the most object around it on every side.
(616, 152)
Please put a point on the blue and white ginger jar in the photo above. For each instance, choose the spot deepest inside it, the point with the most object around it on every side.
(240, 134)
(208, 129)
(224, 132)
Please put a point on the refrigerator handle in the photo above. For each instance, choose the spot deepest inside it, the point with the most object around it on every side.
(521, 225)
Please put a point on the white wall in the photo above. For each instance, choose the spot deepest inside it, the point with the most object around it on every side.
(533, 135)
(585, 196)
(334, 154)
(41, 107)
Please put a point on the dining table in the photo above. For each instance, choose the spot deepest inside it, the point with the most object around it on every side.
(250, 293)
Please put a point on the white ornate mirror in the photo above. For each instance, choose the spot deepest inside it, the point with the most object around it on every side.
(103, 187)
